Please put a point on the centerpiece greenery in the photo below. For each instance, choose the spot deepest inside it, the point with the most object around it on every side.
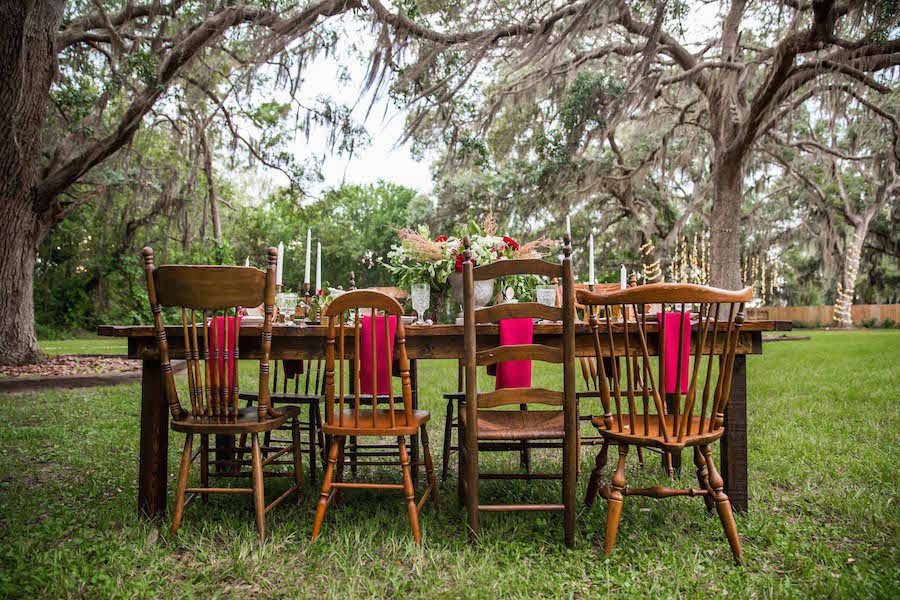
(420, 259)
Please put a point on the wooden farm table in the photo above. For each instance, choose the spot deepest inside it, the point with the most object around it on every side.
(422, 342)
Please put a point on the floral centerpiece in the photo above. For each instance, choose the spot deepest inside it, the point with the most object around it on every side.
(420, 259)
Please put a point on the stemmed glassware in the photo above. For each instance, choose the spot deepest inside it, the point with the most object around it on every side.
(287, 303)
(421, 300)
(546, 294)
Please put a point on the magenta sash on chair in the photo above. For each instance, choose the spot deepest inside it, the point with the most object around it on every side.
(515, 373)
(671, 346)
(365, 354)
(222, 343)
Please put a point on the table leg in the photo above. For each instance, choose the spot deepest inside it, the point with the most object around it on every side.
(414, 439)
(734, 442)
(154, 450)
(225, 452)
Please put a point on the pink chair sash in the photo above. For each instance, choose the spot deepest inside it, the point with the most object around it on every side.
(515, 373)
(671, 346)
(221, 344)
(365, 354)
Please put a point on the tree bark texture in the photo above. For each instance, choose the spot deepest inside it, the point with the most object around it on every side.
(27, 67)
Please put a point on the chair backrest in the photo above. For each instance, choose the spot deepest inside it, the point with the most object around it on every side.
(716, 334)
(563, 354)
(377, 304)
(211, 290)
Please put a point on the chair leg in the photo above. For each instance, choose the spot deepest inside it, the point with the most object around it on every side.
(312, 440)
(723, 505)
(409, 491)
(182, 482)
(448, 439)
(204, 465)
(323, 447)
(353, 457)
(594, 482)
(339, 475)
(326, 486)
(614, 503)
(259, 502)
(298, 458)
(703, 477)
(461, 455)
(641, 456)
(267, 442)
(429, 468)
(525, 449)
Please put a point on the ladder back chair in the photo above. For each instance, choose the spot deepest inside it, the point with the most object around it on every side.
(638, 416)
(480, 424)
(344, 413)
(204, 291)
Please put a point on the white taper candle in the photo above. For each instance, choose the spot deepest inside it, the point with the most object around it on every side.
(306, 272)
(318, 266)
(279, 266)
(591, 264)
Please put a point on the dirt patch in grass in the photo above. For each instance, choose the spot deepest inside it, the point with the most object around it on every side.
(64, 365)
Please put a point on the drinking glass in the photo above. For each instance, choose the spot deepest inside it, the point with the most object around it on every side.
(287, 303)
(421, 298)
(546, 295)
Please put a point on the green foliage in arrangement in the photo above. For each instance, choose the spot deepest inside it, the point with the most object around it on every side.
(823, 517)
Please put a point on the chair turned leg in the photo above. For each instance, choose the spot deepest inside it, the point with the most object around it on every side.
(429, 468)
(594, 482)
(298, 458)
(723, 505)
(614, 503)
(448, 439)
(409, 491)
(182, 482)
(703, 477)
(641, 456)
(339, 474)
(312, 440)
(326, 485)
(353, 458)
(259, 503)
(204, 465)
(267, 443)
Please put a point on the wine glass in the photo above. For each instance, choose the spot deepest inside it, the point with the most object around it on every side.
(421, 298)
(546, 295)
(287, 303)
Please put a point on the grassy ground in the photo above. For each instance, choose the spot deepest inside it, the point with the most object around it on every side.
(824, 429)
(87, 345)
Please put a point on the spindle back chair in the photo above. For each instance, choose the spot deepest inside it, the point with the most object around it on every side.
(638, 416)
(479, 423)
(344, 418)
(214, 389)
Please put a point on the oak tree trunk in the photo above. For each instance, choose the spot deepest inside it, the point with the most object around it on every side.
(27, 67)
(725, 223)
(842, 314)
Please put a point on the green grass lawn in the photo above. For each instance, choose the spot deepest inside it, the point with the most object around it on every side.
(824, 520)
(86, 345)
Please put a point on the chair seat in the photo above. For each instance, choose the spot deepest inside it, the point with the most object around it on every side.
(247, 422)
(382, 423)
(519, 424)
(281, 398)
(652, 436)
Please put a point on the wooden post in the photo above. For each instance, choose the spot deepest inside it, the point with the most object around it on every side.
(154, 451)
(734, 442)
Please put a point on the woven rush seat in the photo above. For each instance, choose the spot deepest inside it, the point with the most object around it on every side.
(247, 422)
(519, 424)
(652, 436)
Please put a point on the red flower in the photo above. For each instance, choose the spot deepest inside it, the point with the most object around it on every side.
(459, 262)
(321, 293)
(440, 239)
(511, 242)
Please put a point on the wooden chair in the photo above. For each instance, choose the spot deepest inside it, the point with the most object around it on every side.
(689, 423)
(350, 419)
(479, 424)
(214, 405)
(309, 395)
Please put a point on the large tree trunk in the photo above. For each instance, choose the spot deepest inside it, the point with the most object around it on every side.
(211, 189)
(842, 316)
(725, 223)
(27, 67)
